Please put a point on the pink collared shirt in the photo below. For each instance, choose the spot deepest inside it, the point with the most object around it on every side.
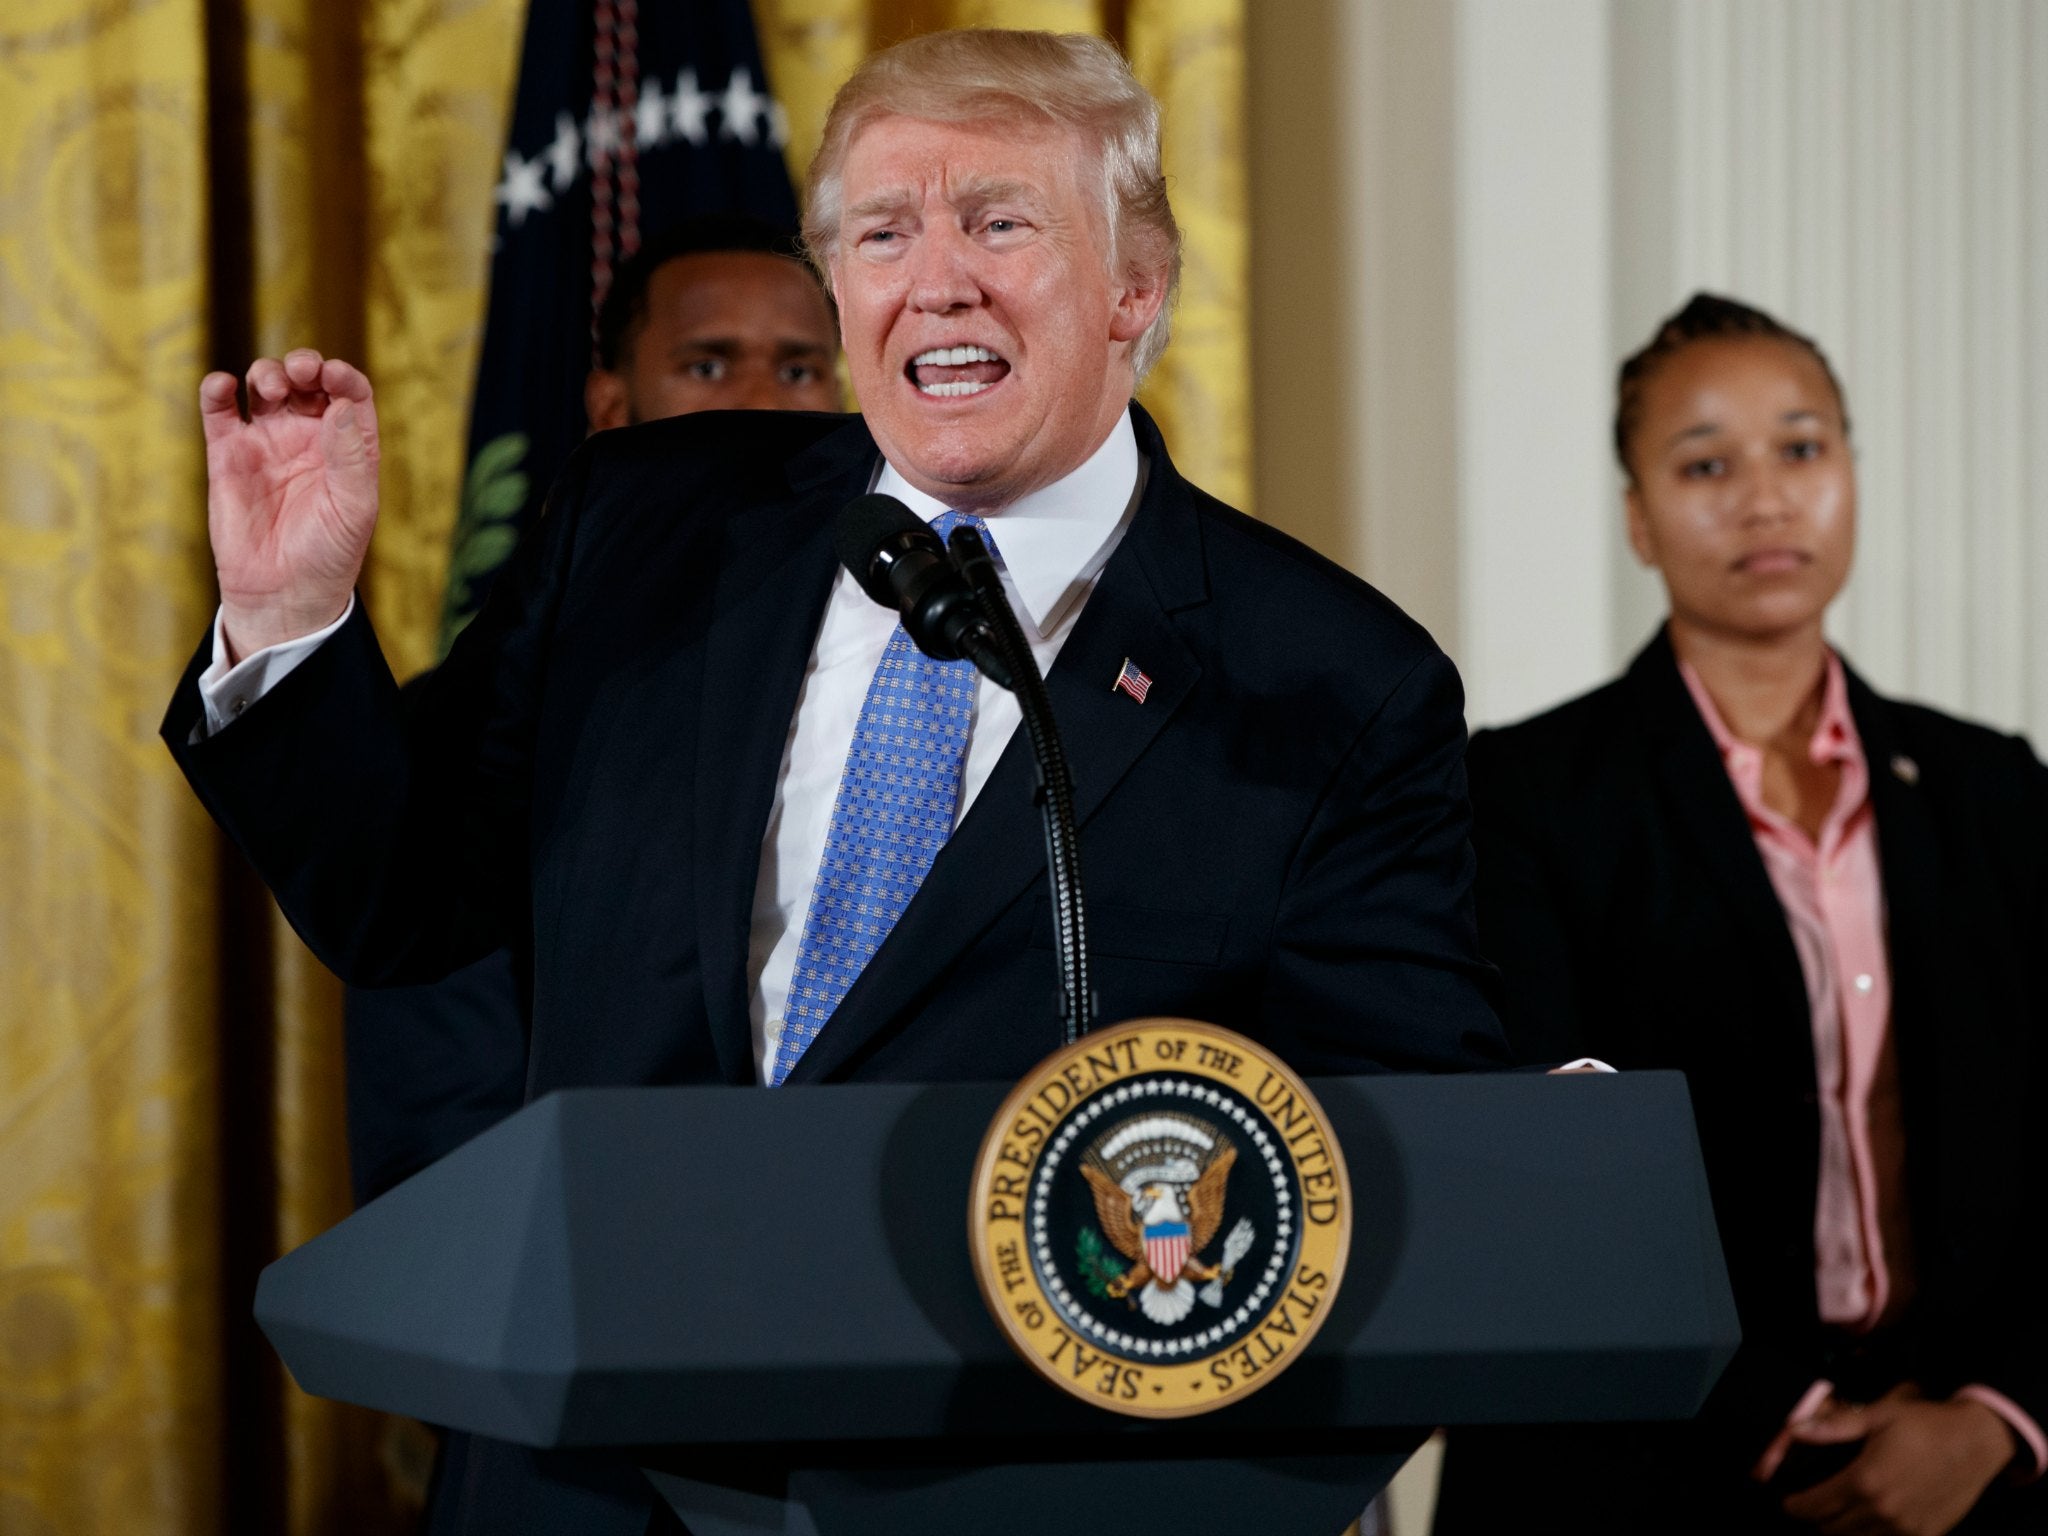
(1832, 891)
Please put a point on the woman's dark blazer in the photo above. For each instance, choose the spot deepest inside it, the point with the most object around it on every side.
(1622, 896)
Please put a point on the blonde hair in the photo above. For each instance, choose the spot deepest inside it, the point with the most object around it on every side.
(1064, 79)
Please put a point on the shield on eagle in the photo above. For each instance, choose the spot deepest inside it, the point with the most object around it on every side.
(1166, 1249)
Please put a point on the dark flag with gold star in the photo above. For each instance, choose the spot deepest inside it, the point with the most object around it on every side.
(630, 115)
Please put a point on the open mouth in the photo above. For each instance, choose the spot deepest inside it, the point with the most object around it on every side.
(950, 372)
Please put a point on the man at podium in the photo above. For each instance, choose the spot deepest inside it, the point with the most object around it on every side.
(760, 838)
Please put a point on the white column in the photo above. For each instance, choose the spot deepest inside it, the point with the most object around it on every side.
(1535, 498)
(1400, 212)
(1469, 163)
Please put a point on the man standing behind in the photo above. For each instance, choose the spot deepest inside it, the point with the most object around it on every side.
(717, 313)
(661, 728)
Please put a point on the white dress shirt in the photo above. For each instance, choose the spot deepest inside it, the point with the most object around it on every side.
(1051, 547)
(226, 691)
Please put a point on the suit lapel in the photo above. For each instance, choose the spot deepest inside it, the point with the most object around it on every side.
(775, 574)
(998, 851)
(1910, 860)
(1703, 806)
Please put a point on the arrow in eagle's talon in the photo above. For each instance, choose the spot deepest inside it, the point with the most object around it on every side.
(1237, 1245)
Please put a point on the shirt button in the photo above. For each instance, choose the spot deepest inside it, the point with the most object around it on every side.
(236, 706)
(1865, 982)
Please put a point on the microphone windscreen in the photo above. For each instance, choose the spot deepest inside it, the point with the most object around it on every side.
(865, 525)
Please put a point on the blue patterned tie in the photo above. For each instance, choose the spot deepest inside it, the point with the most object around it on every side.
(893, 813)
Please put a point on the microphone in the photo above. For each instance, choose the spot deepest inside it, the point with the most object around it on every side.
(1054, 789)
(953, 605)
(900, 563)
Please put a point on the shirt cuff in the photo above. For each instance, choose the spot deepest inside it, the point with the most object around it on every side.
(1585, 1063)
(2022, 1425)
(226, 690)
(1773, 1457)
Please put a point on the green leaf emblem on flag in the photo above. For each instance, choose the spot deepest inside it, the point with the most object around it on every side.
(493, 493)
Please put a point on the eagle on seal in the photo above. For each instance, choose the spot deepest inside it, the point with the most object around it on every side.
(1158, 1182)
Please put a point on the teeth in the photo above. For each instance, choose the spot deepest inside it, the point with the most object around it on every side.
(953, 357)
(964, 387)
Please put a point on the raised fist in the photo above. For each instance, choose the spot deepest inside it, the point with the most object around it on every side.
(291, 494)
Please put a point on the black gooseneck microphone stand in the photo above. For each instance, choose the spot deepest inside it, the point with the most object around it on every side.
(1054, 789)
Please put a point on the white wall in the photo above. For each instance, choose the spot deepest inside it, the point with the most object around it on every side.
(1874, 172)
(1470, 210)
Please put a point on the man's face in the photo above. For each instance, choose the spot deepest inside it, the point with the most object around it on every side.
(988, 344)
(724, 331)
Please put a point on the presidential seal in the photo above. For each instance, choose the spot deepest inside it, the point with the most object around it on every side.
(1160, 1217)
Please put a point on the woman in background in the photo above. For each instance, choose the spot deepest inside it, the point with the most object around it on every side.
(1830, 910)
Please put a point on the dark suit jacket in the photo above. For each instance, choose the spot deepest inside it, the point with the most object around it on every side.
(1622, 896)
(431, 1066)
(1276, 839)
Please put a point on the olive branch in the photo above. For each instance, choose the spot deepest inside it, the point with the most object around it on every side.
(493, 493)
(1097, 1267)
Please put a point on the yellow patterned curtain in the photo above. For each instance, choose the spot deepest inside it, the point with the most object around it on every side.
(109, 1316)
(185, 183)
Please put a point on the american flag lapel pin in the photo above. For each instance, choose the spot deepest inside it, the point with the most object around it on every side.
(1130, 680)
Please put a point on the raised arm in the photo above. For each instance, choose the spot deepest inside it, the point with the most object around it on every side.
(393, 835)
(291, 494)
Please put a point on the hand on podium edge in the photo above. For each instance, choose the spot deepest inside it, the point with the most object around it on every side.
(291, 494)
(1581, 1066)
